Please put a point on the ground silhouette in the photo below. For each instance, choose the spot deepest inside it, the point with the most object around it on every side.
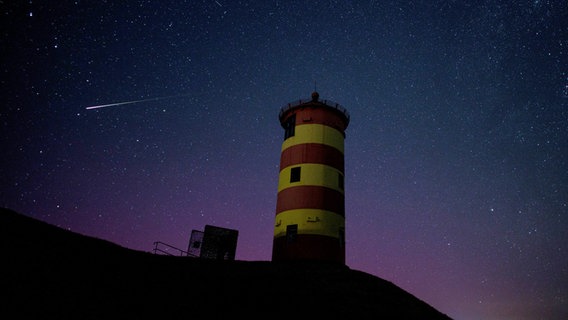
(52, 273)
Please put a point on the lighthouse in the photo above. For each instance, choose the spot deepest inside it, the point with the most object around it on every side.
(310, 206)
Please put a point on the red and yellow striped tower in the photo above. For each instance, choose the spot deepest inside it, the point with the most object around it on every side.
(310, 208)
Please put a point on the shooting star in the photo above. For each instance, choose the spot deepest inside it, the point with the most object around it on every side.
(134, 101)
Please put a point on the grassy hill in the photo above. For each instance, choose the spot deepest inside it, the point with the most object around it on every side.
(53, 273)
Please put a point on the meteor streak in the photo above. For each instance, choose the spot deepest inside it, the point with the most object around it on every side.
(133, 101)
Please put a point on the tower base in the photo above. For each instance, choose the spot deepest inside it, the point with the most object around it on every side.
(308, 247)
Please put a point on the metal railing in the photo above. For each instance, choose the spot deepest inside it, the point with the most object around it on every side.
(168, 248)
(327, 103)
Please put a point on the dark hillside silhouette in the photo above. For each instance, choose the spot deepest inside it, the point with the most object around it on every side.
(52, 273)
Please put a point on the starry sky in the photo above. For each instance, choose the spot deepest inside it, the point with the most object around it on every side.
(456, 173)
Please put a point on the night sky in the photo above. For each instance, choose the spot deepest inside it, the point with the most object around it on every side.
(456, 155)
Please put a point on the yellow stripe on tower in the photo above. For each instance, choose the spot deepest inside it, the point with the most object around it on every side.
(315, 133)
(311, 174)
(310, 221)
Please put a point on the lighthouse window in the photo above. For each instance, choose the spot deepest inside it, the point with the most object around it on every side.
(295, 174)
(340, 181)
(341, 237)
(291, 233)
(289, 127)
